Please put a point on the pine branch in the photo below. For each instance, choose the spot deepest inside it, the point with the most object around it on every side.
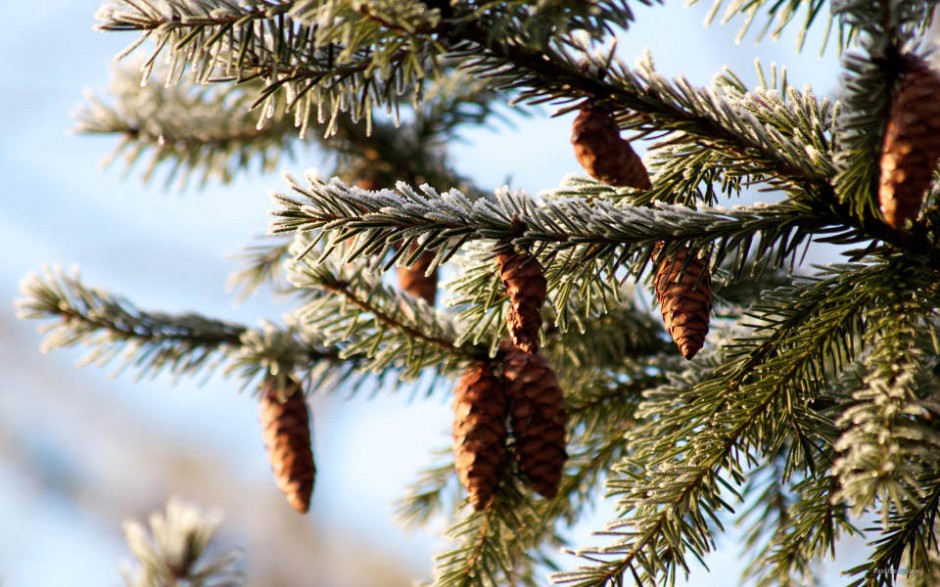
(645, 101)
(591, 239)
(727, 417)
(492, 547)
(220, 40)
(263, 263)
(154, 342)
(801, 523)
(205, 131)
(911, 534)
(350, 306)
(175, 550)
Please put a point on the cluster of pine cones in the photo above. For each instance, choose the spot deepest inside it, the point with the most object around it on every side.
(523, 392)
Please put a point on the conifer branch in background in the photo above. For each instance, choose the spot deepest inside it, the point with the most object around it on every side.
(205, 130)
(176, 549)
(154, 342)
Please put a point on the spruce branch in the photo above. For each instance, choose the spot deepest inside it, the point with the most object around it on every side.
(911, 535)
(491, 544)
(888, 443)
(599, 416)
(210, 131)
(190, 130)
(727, 417)
(800, 523)
(262, 263)
(154, 342)
(645, 101)
(779, 15)
(176, 550)
(344, 65)
(591, 239)
(352, 308)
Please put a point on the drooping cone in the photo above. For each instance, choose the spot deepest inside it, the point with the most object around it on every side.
(911, 145)
(479, 432)
(537, 418)
(684, 292)
(414, 281)
(525, 283)
(603, 154)
(285, 427)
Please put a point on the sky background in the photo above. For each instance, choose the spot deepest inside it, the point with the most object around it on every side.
(80, 451)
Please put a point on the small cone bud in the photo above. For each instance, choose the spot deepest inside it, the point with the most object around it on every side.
(479, 432)
(410, 279)
(684, 292)
(369, 184)
(285, 427)
(415, 281)
(526, 287)
(538, 419)
(603, 154)
(911, 146)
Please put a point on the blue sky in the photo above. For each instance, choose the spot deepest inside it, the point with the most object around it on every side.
(169, 251)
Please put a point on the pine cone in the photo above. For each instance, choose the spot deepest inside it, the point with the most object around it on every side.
(538, 419)
(526, 287)
(369, 183)
(479, 432)
(603, 154)
(285, 427)
(414, 281)
(684, 292)
(911, 145)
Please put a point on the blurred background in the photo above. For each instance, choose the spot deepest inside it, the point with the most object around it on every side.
(81, 450)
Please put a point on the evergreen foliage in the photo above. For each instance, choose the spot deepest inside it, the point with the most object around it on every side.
(177, 549)
(811, 414)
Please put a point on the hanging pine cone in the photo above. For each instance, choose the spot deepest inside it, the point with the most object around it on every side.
(911, 145)
(526, 287)
(285, 428)
(684, 292)
(414, 281)
(537, 417)
(479, 432)
(603, 154)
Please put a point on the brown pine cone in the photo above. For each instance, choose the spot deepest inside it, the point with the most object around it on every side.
(911, 146)
(479, 432)
(285, 428)
(526, 287)
(603, 154)
(537, 417)
(414, 281)
(684, 292)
